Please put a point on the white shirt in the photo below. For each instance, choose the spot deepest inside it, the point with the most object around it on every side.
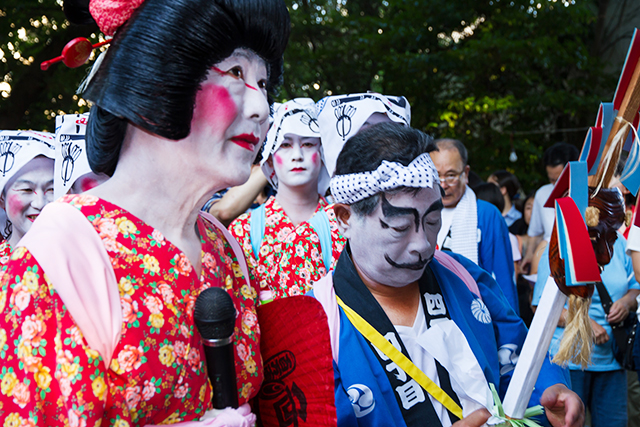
(446, 342)
(423, 360)
(515, 248)
(542, 218)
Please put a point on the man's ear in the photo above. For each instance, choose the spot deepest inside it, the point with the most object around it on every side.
(343, 216)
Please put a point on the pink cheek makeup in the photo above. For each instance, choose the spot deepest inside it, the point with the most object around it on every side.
(87, 184)
(214, 107)
(314, 158)
(15, 205)
(278, 159)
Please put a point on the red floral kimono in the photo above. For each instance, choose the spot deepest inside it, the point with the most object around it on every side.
(5, 252)
(281, 269)
(50, 376)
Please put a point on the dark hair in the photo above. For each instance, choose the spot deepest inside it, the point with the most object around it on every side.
(473, 179)
(509, 181)
(521, 202)
(448, 144)
(560, 153)
(161, 55)
(388, 141)
(490, 193)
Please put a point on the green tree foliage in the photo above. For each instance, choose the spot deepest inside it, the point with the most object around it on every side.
(33, 31)
(497, 74)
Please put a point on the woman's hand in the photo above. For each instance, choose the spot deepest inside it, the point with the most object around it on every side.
(621, 308)
(474, 419)
(618, 312)
(600, 335)
(227, 417)
(562, 406)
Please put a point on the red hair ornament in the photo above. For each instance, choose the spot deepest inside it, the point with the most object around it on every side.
(109, 15)
(75, 53)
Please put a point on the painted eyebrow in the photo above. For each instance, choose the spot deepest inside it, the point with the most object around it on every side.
(437, 206)
(245, 54)
(249, 56)
(27, 182)
(24, 181)
(392, 211)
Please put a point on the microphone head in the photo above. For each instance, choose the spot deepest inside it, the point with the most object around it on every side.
(214, 314)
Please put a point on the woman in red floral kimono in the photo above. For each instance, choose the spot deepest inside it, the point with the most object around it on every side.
(180, 106)
(293, 162)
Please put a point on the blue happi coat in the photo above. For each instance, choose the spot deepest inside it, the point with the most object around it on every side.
(363, 393)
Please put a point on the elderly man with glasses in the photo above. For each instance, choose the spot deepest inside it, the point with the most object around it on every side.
(471, 227)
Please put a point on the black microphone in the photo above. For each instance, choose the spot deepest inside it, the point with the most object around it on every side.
(215, 318)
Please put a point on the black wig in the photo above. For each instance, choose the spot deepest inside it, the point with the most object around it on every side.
(161, 55)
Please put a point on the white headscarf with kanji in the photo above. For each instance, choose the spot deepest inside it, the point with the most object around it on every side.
(340, 117)
(351, 188)
(18, 147)
(297, 117)
(71, 152)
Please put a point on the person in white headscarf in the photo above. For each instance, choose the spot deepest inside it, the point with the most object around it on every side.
(26, 180)
(293, 162)
(72, 171)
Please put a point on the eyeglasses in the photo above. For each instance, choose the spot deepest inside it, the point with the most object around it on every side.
(451, 179)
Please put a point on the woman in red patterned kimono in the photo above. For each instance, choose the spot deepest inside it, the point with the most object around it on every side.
(180, 107)
(293, 163)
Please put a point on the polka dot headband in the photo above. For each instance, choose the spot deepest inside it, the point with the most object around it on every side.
(351, 188)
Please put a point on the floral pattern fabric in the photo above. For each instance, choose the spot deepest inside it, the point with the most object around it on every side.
(5, 252)
(49, 375)
(283, 269)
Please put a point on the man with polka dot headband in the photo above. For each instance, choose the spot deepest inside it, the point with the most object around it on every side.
(418, 336)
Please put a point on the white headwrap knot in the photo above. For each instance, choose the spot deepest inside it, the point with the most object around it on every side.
(351, 188)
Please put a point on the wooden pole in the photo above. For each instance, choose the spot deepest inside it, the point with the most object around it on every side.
(628, 110)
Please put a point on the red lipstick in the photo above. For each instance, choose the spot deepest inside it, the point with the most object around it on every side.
(246, 141)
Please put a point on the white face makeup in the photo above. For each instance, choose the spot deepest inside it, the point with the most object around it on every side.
(393, 245)
(24, 196)
(230, 118)
(297, 162)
